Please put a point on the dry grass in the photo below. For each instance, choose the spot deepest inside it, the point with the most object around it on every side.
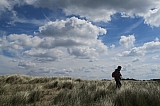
(21, 90)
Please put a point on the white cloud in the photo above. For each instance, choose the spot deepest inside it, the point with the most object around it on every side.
(96, 10)
(127, 42)
(133, 52)
(152, 46)
(24, 40)
(44, 54)
(15, 44)
(115, 58)
(3, 5)
(152, 17)
(71, 26)
(104, 9)
(136, 59)
(26, 65)
(155, 68)
(8, 5)
(157, 39)
(44, 71)
(78, 36)
(112, 46)
(156, 57)
(41, 71)
(13, 16)
(71, 36)
(83, 52)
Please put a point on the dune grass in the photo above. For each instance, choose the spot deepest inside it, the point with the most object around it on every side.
(21, 90)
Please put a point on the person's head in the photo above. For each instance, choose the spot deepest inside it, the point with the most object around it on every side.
(119, 68)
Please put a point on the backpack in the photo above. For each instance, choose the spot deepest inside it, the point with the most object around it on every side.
(113, 74)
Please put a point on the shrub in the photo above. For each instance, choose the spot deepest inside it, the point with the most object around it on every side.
(87, 94)
(144, 95)
(65, 85)
(14, 79)
(17, 90)
(39, 80)
(51, 85)
(34, 96)
(18, 99)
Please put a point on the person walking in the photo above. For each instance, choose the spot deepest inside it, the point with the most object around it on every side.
(118, 76)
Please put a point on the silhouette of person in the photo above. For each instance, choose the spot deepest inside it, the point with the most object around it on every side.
(118, 77)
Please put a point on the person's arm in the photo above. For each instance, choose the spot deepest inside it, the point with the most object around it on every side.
(119, 75)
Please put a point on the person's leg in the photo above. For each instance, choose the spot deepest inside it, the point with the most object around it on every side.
(119, 84)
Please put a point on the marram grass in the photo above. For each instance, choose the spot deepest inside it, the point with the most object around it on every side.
(21, 90)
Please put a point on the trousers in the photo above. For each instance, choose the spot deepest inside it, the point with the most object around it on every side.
(118, 83)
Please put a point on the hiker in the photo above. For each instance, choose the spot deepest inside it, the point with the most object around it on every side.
(118, 76)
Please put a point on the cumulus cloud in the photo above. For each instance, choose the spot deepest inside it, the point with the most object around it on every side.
(44, 55)
(152, 46)
(71, 26)
(10, 4)
(26, 65)
(7, 11)
(155, 68)
(78, 36)
(136, 60)
(134, 52)
(127, 42)
(15, 44)
(112, 46)
(83, 52)
(115, 58)
(157, 39)
(103, 10)
(24, 40)
(96, 10)
(3, 5)
(72, 36)
(41, 71)
(44, 71)
(156, 57)
(152, 17)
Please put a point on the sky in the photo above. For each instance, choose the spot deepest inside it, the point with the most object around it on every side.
(80, 38)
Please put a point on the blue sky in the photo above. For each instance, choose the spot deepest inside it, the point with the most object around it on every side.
(81, 39)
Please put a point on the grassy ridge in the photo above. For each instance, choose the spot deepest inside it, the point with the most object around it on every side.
(21, 90)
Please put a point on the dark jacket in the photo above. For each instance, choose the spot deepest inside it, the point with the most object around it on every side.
(117, 74)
